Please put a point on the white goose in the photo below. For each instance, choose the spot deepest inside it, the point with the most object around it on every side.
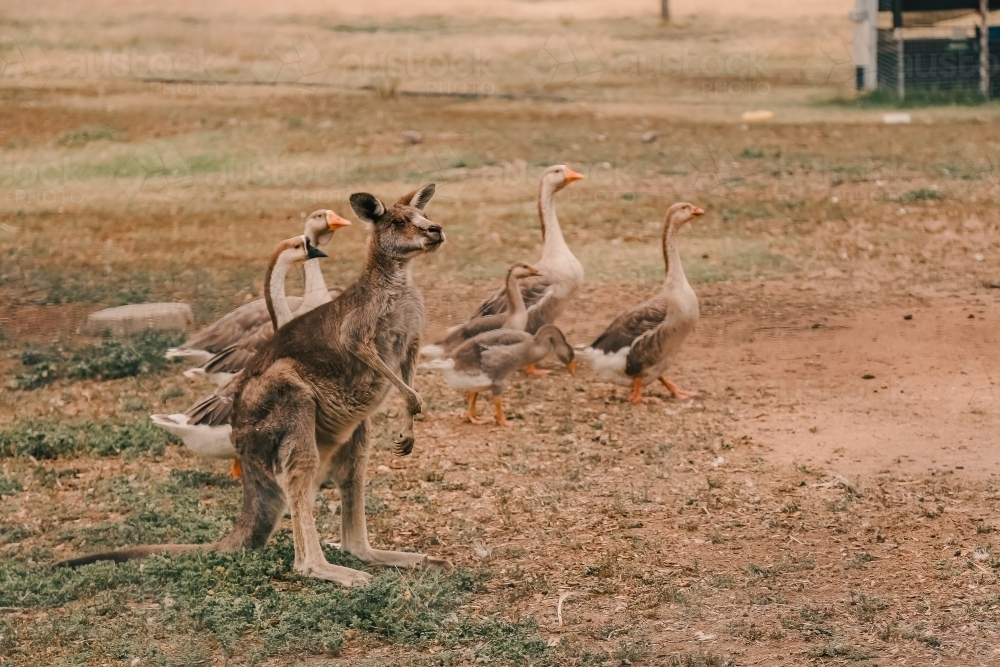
(560, 273)
(205, 428)
(246, 321)
(229, 360)
(642, 343)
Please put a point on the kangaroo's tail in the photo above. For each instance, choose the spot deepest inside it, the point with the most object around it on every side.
(136, 553)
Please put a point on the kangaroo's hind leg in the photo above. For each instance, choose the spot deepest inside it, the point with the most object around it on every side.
(298, 464)
(347, 470)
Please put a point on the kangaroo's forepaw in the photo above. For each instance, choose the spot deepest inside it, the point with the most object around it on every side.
(404, 444)
(414, 404)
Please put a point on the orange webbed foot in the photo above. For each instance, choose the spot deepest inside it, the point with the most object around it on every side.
(236, 471)
(637, 398)
(531, 370)
(501, 417)
(677, 391)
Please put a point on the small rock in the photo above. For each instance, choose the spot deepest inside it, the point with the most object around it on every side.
(934, 226)
(128, 320)
(382, 468)
(972, 224)
(650, 137)
(413, 137)
(978, 257)
(907, 317)
(759, 116)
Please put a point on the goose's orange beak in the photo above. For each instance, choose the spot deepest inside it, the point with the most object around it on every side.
(697, 211)
(334, 221)
(572, 175)
(571, 367)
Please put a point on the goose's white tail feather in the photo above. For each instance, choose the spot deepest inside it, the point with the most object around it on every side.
(438, 364)
(432, 351)
(465, 381)
(219, 379)
(210, 441)
(610, 367)
(194, 356)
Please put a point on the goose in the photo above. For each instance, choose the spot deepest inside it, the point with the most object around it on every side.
(205, 428)
(560, 273)
(515, 316)
(222, 366)
(640, 344)
(232, 328)
(485, 361)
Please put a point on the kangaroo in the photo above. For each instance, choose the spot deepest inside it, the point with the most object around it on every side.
(302, 406)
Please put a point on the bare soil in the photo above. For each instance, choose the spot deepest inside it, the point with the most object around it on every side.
(831, 494)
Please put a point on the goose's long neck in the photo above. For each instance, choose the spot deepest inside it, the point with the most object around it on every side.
(517, 314)
(552, 237)
(316, 291)
(671, 257)
(274, 295)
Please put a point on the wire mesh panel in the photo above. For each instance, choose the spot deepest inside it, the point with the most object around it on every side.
(888, 60)
(941, 64)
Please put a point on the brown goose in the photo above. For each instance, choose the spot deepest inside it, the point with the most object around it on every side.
(560, 273)
(515, 316)
(205, 428)
(642, 343)
(228, 361)
(245, 321)
(485, 361)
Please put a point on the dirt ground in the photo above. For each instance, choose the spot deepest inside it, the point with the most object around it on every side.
(830, 496)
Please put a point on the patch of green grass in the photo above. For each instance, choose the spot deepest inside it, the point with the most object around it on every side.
(921, 194)
(81, 137)
(108, 360)
(52, 438)
(243, 607)
(74, 291)
(700, 659)
(917, 98)
(867, 607)
(859, 560)
(10, 485)
(752, 153)
(835, 649)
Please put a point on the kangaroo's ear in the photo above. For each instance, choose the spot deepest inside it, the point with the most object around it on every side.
(419, 198)
(367, 207)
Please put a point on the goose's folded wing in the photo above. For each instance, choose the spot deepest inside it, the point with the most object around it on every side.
(471, 329)
(533, 290)
(629, 326)
(215, 408)
(502, 351)
(234, 358)
(652, 347)
(229, 329)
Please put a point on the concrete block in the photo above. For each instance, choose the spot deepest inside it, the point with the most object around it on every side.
(128, 320)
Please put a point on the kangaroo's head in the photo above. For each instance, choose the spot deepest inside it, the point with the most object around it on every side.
(401, 231)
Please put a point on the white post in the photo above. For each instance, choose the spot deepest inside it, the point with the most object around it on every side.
(865, 18)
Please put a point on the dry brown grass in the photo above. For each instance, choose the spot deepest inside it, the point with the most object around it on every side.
(793, 512)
